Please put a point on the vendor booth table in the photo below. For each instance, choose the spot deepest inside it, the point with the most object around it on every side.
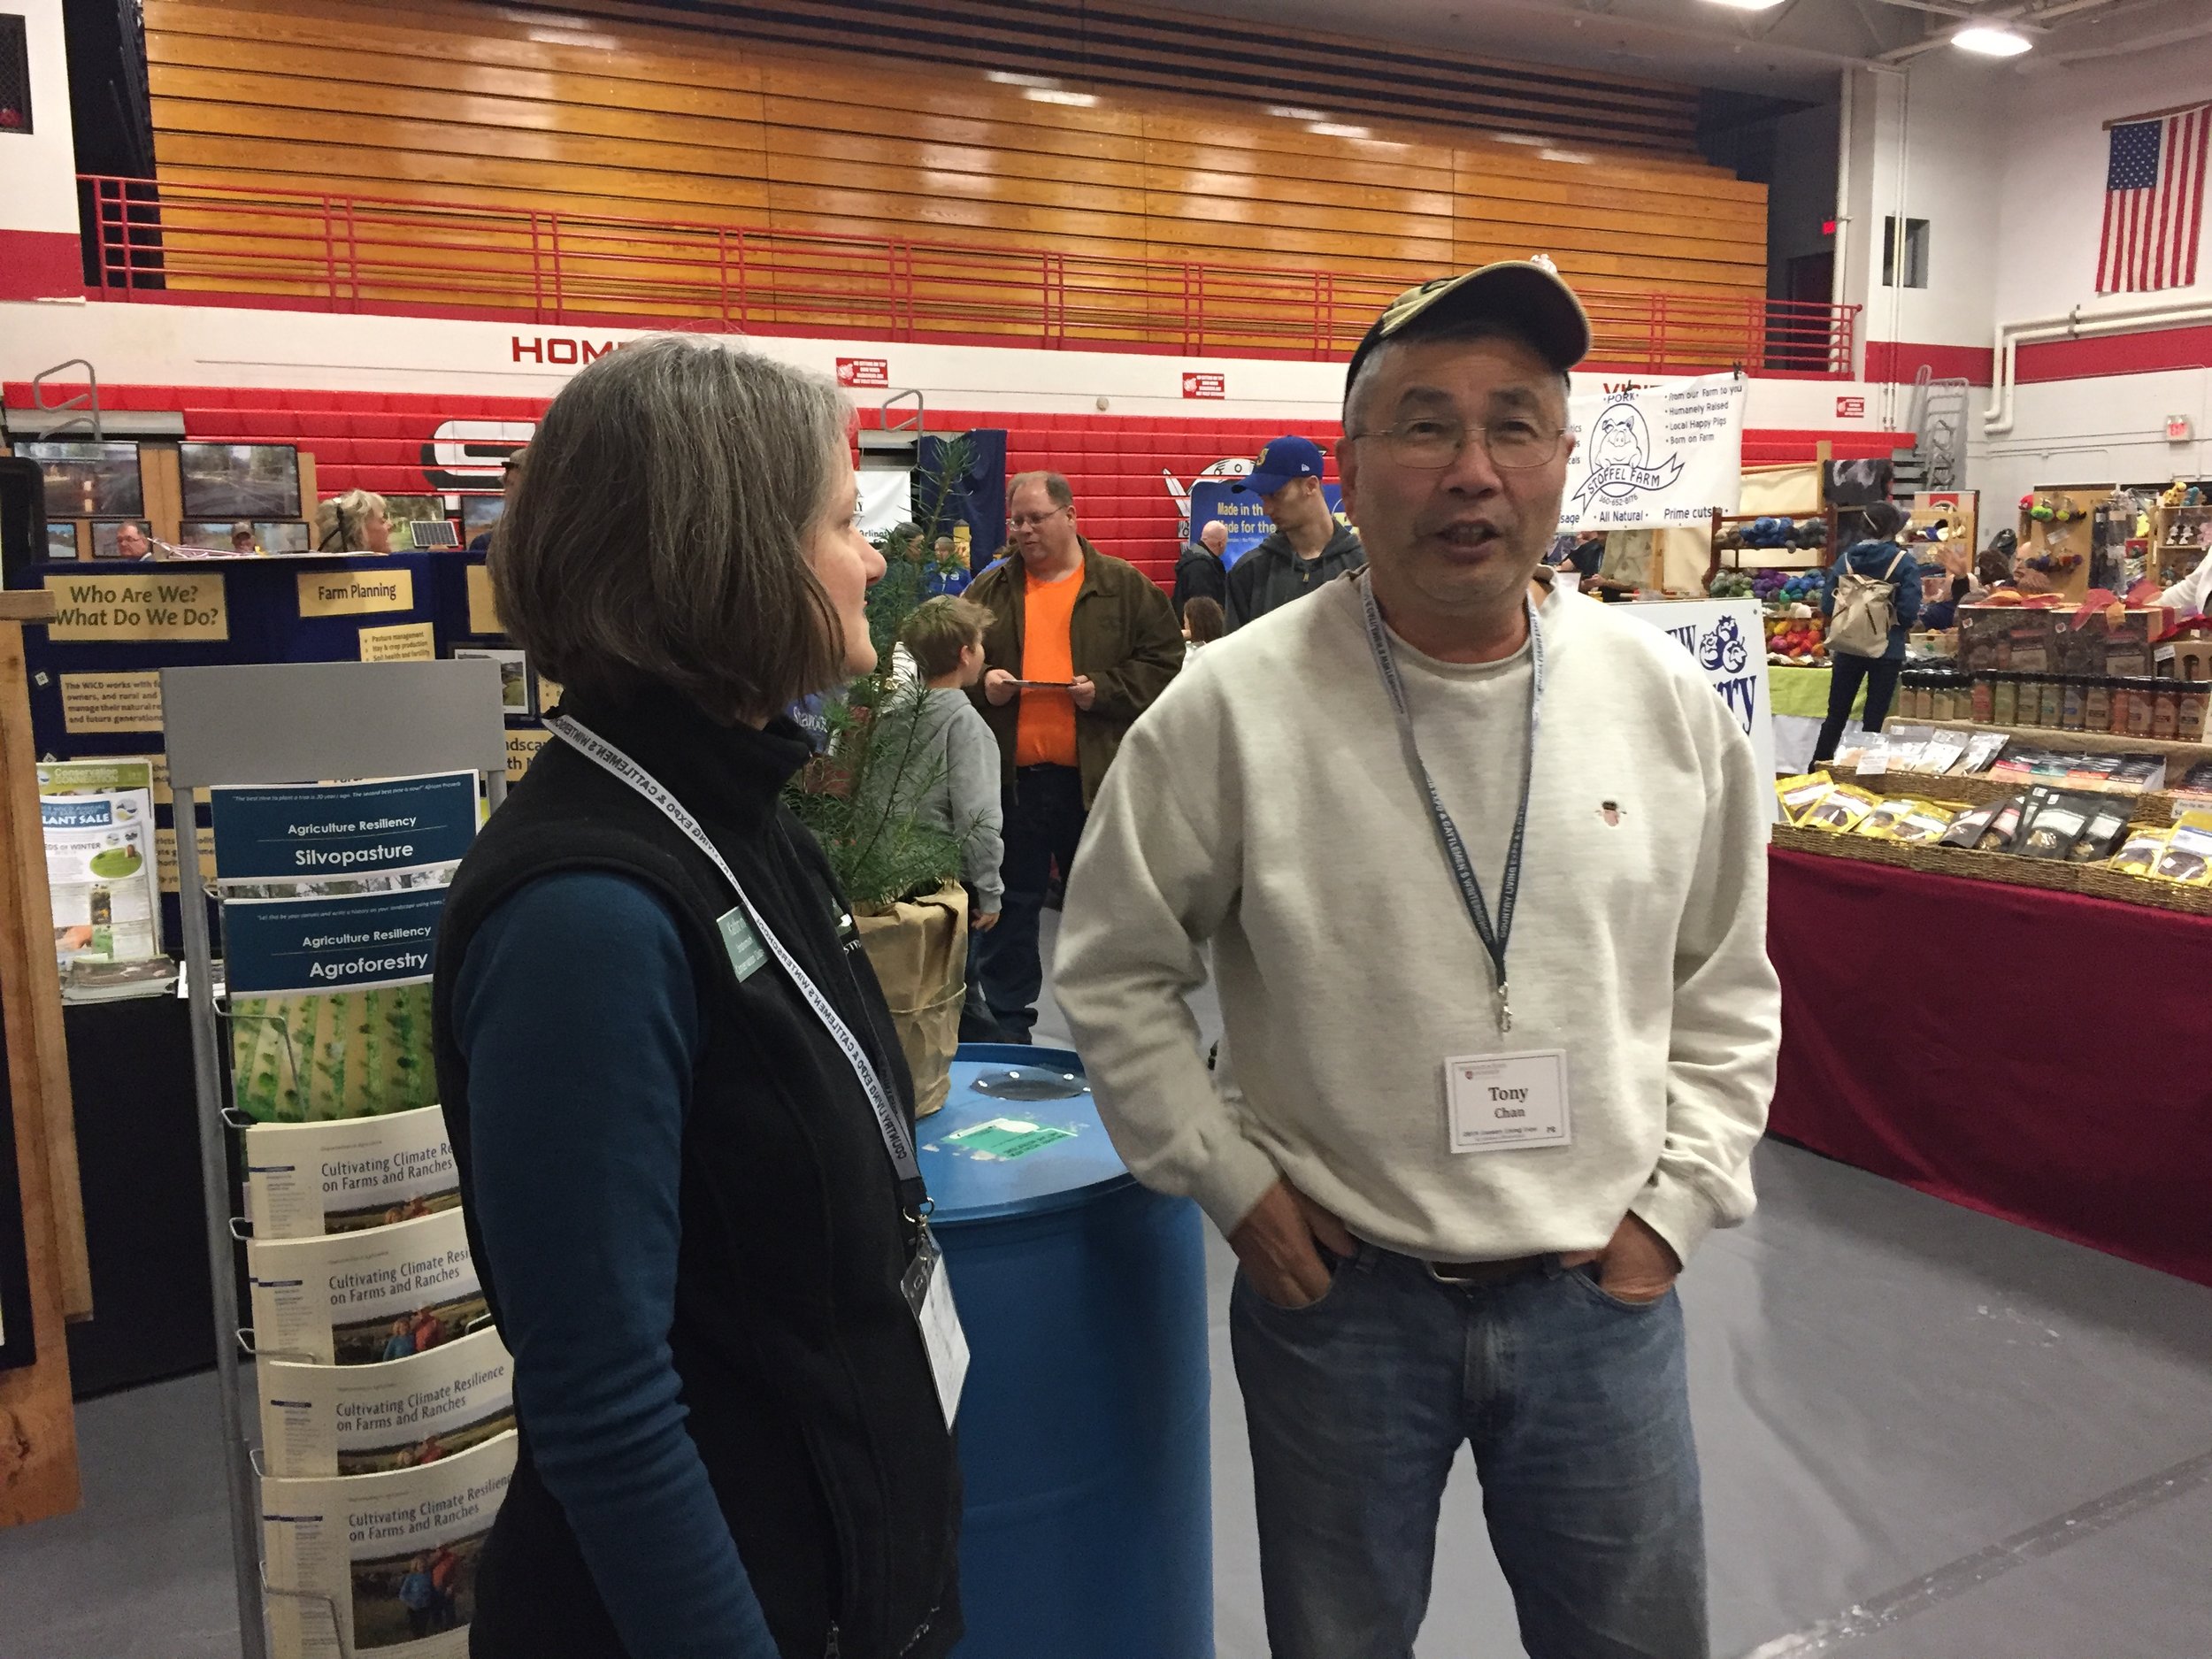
(2002, 1048)
(1800, 700)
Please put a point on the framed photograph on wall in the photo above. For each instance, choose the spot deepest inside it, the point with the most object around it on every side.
(210, 535)
(239, 480)
(480, 513)
(86, 480)
(514, 676)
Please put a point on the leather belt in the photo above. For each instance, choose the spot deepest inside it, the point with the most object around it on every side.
(1474, 1275)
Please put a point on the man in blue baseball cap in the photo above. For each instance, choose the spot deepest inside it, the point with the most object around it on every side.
(1310, 545)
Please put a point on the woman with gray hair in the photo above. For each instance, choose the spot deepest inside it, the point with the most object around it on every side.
(684, 1127)
(356, 522)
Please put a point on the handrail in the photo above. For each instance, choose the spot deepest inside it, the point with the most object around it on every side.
(348, 253)
(88, 399)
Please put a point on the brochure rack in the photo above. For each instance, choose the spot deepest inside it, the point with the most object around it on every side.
(293, 723)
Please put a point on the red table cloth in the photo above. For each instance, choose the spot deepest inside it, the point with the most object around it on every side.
(2040, 1056)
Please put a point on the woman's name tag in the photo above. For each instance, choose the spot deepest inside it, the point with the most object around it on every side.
(929, 1294)
(1501, 1102)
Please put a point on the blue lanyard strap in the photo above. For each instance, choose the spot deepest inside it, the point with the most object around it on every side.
(1494, 939)
(898, 1141)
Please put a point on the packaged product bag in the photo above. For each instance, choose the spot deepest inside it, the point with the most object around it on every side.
(1925, 823)
(2140, 853)
(2187, 858)
(1801, 794)
(1996, 836)
(2058, 823)
(1841, 808)
(1967, 828)
(1881, 823)
(2101, 834)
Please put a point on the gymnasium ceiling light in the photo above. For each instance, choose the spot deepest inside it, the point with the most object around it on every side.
(1746, 5)
(1992, 40)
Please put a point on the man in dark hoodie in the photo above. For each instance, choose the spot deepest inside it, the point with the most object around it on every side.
(1309, 547)
(1198, 572)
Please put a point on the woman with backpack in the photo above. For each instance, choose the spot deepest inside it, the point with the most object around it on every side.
(1872, 597)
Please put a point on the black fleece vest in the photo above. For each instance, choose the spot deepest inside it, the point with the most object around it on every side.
(808, 1386)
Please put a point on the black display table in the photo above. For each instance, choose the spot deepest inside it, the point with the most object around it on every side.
(130, 1070)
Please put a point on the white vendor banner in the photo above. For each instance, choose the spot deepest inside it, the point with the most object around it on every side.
(1667, 453)
(382, 1564)
(1728, 638)
(371, 1419)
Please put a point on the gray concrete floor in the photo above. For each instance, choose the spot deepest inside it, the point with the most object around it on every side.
(1925, 1435)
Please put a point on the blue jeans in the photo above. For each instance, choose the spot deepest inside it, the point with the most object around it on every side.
(1045, 816)
(1577, 1405)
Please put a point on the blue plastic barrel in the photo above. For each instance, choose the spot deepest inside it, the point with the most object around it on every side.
(1088, 1532)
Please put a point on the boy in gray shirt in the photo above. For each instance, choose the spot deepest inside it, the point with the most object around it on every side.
(950, 776)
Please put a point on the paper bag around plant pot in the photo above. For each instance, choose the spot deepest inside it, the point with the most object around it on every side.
(919, 950)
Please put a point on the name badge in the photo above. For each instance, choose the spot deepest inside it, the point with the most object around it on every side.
(1501, 1101)
(745, 949)
(929, 1294)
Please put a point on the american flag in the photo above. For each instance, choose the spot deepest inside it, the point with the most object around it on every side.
(2154, 203)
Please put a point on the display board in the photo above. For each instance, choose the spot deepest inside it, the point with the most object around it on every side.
(1241, 513)
(469, 620)
(95, 670)
(1727, 638)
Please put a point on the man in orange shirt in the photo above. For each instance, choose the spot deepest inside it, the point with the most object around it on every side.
(1079, 646)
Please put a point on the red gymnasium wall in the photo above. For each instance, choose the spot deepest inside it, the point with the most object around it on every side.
(382, 442)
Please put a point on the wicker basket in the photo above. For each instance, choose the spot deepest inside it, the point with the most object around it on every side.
(2053, 875)
(1978, 789)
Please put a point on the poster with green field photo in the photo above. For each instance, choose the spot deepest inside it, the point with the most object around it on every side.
(316, 1056)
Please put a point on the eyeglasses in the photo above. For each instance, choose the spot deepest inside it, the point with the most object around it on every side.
(1432, 442)
(1031, 520)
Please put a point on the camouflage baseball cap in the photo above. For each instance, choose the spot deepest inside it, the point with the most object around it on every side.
(1522, 294)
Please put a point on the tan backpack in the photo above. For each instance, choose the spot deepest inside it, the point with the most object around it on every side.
(1865, 611)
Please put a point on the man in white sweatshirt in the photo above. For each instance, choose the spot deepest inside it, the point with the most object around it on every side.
(1496, 1073)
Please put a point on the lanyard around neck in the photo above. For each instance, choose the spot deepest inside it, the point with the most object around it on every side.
(1494, 939)
(898, 1141)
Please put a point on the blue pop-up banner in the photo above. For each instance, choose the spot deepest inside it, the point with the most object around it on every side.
(312, 831)
(276, 947)
(1242, 512)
